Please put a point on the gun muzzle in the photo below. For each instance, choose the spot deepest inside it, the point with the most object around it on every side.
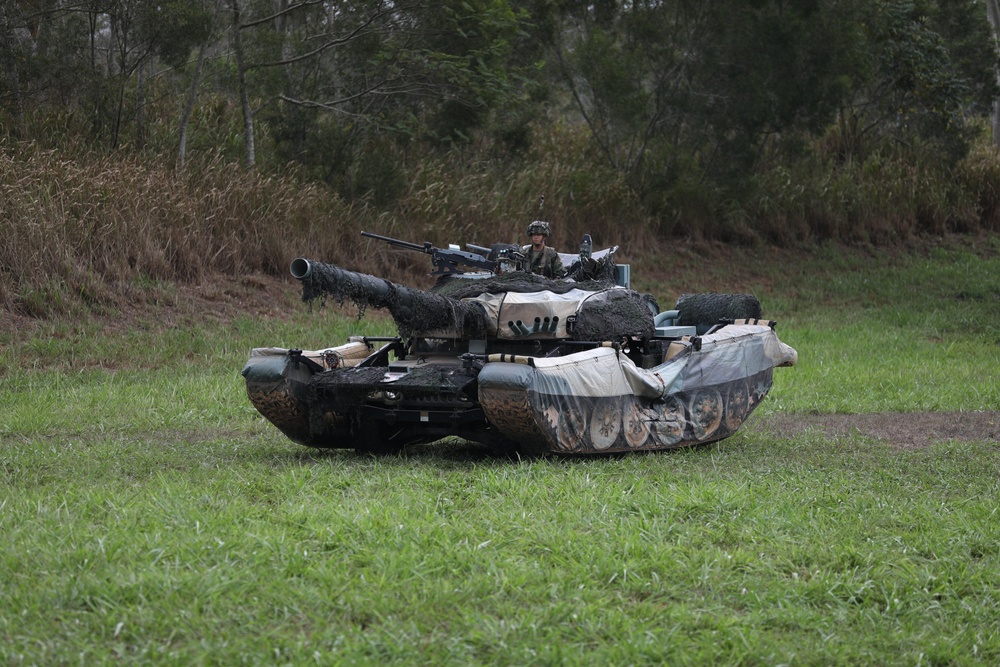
(301, 268)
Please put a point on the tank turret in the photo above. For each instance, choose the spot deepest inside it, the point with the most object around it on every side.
(513, 307)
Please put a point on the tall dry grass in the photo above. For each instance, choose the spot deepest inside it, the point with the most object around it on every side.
(93, 229)
(886, 198)
(89, 230)
(480, 200)
(97, 228)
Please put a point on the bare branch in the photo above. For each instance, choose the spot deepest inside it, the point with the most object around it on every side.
(283, 12)
(330, 44)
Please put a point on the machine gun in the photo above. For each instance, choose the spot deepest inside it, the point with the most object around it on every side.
(446, 260)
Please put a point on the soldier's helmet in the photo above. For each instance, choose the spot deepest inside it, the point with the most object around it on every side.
(539, 227)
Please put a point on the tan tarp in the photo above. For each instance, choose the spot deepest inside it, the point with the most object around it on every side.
(598, 400)
(343, 356)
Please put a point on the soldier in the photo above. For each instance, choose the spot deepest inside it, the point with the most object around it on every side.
(542, 259)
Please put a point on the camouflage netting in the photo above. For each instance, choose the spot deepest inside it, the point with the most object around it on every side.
(707, 309)
(413, 310)
(601, 270)
(618, 314)
(610, 315)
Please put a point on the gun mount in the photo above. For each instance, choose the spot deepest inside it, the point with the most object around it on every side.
(448, 261)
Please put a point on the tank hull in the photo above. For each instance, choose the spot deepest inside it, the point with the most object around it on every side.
(595, 401)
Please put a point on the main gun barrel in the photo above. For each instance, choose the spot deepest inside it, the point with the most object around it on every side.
(415, 311)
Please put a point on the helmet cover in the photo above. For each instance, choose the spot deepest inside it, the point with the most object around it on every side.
(539, 227)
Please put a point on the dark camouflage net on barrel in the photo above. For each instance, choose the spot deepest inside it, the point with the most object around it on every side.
(611, 316)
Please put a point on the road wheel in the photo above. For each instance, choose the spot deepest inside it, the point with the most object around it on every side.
(605, 423)
(705, 408)
(636, 426)
(737, 404)
(668, 429)
(571, 430)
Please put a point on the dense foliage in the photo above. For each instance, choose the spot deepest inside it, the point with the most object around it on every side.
(738, 119)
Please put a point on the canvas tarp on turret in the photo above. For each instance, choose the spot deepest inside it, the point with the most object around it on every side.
(606, 314)
(552, 310)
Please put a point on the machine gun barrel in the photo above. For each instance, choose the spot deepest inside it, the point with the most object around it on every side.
(446, 260)
(415, 311)
(426, 247)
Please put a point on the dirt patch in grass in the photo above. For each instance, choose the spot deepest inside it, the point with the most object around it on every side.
(905, 430)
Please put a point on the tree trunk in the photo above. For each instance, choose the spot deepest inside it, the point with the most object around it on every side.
(241, 72)
(116, 69)
(189, 105)
(140, 106)
(993, 12)
(8, 54)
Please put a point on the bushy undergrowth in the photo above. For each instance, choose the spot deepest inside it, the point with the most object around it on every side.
(87, 230)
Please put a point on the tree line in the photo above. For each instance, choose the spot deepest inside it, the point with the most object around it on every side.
(673, 94)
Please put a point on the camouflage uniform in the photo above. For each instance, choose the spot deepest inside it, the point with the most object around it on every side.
(546, 262)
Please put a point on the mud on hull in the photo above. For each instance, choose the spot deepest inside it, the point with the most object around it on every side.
(278, 386)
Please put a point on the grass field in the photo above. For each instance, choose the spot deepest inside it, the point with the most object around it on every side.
(150, 516)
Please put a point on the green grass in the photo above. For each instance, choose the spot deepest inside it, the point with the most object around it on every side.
(883, 333)
(150, 516)
(756, 552)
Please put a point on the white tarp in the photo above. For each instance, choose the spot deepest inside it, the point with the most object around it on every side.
(736, 351)
(598, 400)
(501, 309)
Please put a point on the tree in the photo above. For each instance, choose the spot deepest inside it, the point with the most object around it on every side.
(188, 108)
(241, 73)
(993, 14)
(672, 87)
(667, 86)
(923, 77)
(11, 22)
(350, 74)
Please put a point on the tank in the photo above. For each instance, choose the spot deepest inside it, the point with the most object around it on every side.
(582, 365)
